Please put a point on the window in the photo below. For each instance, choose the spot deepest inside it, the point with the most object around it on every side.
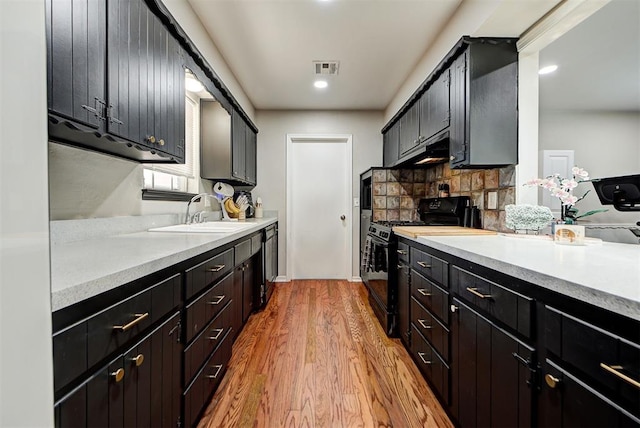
(179, 177)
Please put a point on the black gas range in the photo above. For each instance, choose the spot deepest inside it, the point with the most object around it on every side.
(380, 252)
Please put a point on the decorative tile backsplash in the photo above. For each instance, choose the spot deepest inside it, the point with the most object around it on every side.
(397, 192)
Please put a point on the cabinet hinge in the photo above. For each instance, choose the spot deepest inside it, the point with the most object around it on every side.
(173, 330)
(179, 422)
(531, 382)
(98, 108)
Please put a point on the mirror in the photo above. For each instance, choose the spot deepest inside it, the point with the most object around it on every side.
(591, 103)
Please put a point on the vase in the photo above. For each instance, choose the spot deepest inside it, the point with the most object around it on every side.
(566, 215)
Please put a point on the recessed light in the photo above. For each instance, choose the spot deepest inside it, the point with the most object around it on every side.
(548, 69)
(320, 84)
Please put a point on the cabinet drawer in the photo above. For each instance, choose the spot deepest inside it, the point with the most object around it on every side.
(572, 403)
(208, 340)
(430, 267)
(197, 394)
(432, 367)
(509, 307)
(243, 251)
(200, 312)
(117, 325)
(403, 252)
(431, 296)
(609, 362)
(256, 243)
(427, 324)
(200, 276)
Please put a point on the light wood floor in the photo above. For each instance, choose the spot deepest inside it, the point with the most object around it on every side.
(317, 357)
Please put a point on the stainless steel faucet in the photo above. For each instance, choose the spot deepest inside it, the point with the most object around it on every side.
(197, 197)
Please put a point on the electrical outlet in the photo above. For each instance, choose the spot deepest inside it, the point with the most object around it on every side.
(207, 202)
(492, 200)
(356, 202)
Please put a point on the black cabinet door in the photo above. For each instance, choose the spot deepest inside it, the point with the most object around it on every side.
(409, 123)
(491, 373)
(250, 155)
(391, 145)
(145, 79)
(566, 401)
(404, 297)
(248, 286)
(237, 302)
(434, 107)
(76, 66)
(238, 146)
(458, 127)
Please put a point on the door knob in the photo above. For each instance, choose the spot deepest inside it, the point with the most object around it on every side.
(342, 217)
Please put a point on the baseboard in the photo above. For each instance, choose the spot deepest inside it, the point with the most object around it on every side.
(356, 279)
(281, 278)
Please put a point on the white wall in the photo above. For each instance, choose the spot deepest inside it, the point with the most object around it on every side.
(191, 24)
(467, 19)
(606, 144)
(275, 125)
(26, 364)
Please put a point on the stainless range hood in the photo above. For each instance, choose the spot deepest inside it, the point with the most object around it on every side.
(431, 154)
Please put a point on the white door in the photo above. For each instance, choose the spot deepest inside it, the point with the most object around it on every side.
(318, 215)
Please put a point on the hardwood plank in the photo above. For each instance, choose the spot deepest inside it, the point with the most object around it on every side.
(317, 356)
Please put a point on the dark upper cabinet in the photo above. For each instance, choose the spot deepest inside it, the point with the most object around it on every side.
(471, 99)
(251, 139)
(77, 58)
(484, 106)
(145, 79)
(409, 127)
(118, 89)
(434, 108)
(227, 145)
(391, 145)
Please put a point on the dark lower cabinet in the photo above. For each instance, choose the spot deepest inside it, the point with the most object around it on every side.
(139, 388)
(432, 366)
(566, 401)
(492, 373)
(404, 298)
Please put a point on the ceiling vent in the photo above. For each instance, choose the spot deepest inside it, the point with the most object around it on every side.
(323, 68)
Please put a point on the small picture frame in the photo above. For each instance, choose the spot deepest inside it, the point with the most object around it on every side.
(569, 234)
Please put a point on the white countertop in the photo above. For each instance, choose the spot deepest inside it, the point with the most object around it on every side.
(604, 274)
(83, 269)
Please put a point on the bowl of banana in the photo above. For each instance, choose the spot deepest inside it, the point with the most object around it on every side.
(232, 209)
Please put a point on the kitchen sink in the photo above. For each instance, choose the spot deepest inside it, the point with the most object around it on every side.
(206, 227)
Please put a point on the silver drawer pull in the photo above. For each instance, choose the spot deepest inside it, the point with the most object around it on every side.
(421, 355)
(216, 268)
(475, 292)
(401, 252)
(219, 367)
(424, 265)
(424, 324)
(218, 333)
(424, 292)
(216, 302)
(615, 371)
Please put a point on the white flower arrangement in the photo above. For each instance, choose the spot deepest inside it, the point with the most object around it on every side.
(562, 188)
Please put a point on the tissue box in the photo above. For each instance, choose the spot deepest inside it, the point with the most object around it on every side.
(569, 234)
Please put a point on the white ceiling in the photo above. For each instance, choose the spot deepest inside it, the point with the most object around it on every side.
(269, 45)
(598, 62)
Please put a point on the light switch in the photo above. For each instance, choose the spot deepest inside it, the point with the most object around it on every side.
(492, 200)
(356, 202)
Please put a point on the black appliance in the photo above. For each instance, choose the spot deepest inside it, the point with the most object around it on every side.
(380, 252)
(621, 192)
(269, 264)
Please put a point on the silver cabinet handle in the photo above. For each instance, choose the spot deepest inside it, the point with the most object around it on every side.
(453, 308)
(216, 302)
(218, 333)
(424, 324)
(401, 252)
(475, 292)
(424, 265)
(421, 355)
(424, 292)
(216, 268)
(219, 367)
